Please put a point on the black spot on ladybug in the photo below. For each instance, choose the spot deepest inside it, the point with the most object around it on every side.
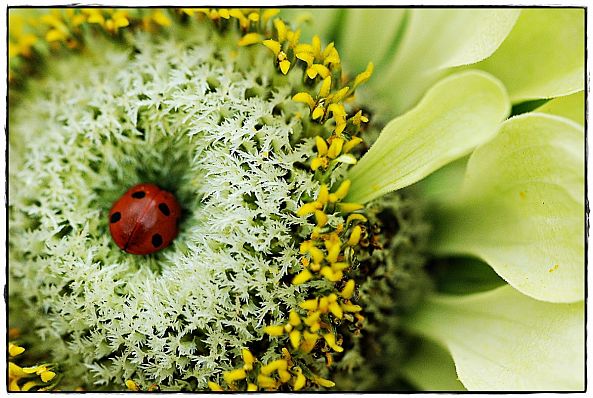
(139, 194)
(115, 217)
(164, 209)
(157, 240)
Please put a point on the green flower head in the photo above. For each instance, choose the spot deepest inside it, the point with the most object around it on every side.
(371, 199)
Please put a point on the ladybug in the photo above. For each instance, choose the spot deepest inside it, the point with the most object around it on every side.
(144, 220)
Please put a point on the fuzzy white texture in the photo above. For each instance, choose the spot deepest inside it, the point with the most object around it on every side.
(193, 113)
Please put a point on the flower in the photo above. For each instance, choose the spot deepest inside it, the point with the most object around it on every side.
(293, 267)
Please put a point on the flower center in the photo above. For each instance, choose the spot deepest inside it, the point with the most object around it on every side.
(273, 268)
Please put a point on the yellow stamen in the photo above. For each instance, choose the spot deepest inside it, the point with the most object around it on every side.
(310, 305)
(266, 381)
(269, 13)
(308, 58)
(351, 144)
(295, 338)
(234, 375)
(224, 13)
(321, 218)
(336, 310)
(343, 189)
(14, 350)
(284, 66)
(251, 387)
(321, 70)
(281, 29)
(132, 386)
(308, 208)
(356, 216)
(214, 387)
(248, 359)
(299, 381)
(322, 149)
(274, 330)
(316, 254)
(364, 76)
(322, 382)
(318, 112)
(335, 148)
(348, 290)
(316, 163)
(284, 375)
(304, 98)
(325, 87)
(355, 236)
(293, 318)
(160, 18)
(351, 307)
(55, 35)
(250, 38)
(323, 195)
(339, 266)
(47, 375)
(272, 45)
(273, 366)
(331, 341)
(302, 277)
(346, 207)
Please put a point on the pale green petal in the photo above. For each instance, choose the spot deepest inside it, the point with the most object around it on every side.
(543, 56)
(503, 340)
(444, 183)
(457, 114)
(431, 368)
(570, 106)
(463, 275)
(522, 208)
(437, 39)
(368, 35)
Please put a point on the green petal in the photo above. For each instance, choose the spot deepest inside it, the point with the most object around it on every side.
(368, 35)
(444, 183)
(457, 114)
(522, 208)
(431, 368)
(437, 39)
(463, 275)
(503, 340)
(571, 106)
(543, 56)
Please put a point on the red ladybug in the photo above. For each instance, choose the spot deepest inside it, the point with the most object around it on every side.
(144, 220)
